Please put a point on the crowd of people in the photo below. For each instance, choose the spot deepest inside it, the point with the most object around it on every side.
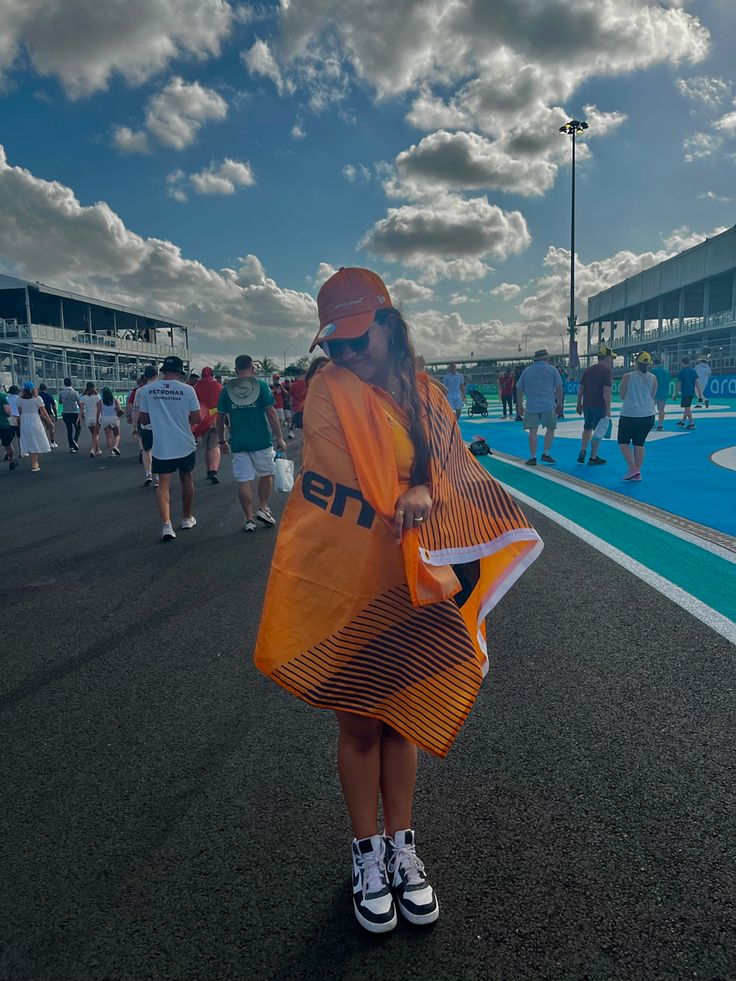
(169, 416)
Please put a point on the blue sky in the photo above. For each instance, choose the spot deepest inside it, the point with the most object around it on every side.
(216, 161)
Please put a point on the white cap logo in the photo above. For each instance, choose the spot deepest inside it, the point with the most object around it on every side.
(327, 331)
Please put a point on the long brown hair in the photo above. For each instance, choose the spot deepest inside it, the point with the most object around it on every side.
(402, 353)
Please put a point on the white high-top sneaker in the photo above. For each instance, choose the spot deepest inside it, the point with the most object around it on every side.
(414, 895)
(372, 899)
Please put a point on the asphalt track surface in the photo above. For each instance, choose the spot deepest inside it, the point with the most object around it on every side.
(170, 813)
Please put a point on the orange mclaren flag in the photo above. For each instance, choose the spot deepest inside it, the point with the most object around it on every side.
(356, 623)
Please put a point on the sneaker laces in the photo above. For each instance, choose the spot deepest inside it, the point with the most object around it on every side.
(374, 872)
(405, 858)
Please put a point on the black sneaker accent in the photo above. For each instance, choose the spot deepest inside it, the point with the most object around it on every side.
(415, 897)
(372, 900)
(596, 461)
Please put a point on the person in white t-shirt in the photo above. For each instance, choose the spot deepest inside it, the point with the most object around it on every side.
(703, 371)
(171, 407)
(90, 407)
(454, 382)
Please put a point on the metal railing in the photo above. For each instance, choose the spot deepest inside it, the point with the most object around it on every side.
(105, 342)
(692, 325)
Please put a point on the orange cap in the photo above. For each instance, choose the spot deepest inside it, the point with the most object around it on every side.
(347, 302)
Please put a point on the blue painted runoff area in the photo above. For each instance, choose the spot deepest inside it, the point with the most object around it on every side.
(691, 474)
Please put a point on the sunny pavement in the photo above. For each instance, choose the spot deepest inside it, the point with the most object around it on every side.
(169, 813)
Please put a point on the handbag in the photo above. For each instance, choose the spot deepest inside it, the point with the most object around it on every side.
(284, 475)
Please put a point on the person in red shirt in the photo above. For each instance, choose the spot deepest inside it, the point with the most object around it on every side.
(594, 402)
(506, 391)
(298, 392)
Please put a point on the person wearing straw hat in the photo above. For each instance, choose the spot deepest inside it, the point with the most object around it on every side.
(394, 546)
(637, 391)
(541, 382)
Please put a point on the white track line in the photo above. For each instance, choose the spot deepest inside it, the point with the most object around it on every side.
(701, 611)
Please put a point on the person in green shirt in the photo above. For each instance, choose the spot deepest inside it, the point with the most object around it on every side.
(248, 406)
(7, 431)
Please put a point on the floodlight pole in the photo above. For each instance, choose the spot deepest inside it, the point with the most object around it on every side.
(571, 129)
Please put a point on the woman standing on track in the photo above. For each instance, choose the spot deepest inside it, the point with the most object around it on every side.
(34, 423)
(397, 543)
(110, 413)
(637, 413)
(90, 409)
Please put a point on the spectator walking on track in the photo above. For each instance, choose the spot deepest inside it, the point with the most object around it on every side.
(594, 404)
(14, 403)
(249, 406)
(298, 394)
(71, 409)
(542, 385)
(110, 414)
(34, 424)
(144, 379)
(144, 434)
(386, 632)
(170, 406)
(454, 382)
(49, 403)
(89, 415)
(687, 380)
(506, 383)
(703, 371)
(638, 389)
(208, 392)
(662, 375)
(7, 431)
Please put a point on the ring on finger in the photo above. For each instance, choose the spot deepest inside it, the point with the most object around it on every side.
(418, 519)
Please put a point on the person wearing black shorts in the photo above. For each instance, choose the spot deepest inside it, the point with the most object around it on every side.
(637, 414)
(170, 407)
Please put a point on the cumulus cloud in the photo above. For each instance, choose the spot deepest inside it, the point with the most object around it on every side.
(130, 141)
(727, 124)
(219, 178)
(700, 145)
(174, 117)
(84, 43)
(260, 62)
(705, 92)
(506, 291)
(47, 234)
(449, 237)
(712, 196)
(404, 290)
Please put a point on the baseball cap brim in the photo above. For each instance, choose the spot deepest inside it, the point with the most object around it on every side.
(344, 329)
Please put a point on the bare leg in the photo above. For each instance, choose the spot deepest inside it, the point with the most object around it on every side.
(265, 487)
(549, 435)
(212, 459)
(147, 460)
(115, 438)
(660, 412)
(34, 459)
(638, 457)
(533, 442)
(108, 439)
(359, 766)
(398, 777)
(162, 497)
(587, 433)
(594, 447)
(245, 496)
(628, 455)
(187, 494)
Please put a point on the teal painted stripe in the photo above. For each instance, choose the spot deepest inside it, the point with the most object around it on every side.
(704, 575)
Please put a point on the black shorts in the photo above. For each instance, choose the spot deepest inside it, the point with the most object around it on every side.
(184, 464)
(298, 418)
(7, 435)
(686, 401)
(634, 429)
(146, 436)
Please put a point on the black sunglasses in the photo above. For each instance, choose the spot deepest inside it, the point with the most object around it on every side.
(336, 349)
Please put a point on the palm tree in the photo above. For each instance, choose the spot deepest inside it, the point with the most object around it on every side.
(220, 368)
(268, 366)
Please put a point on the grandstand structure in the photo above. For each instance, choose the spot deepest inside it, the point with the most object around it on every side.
(685, 305)
(47, 334)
